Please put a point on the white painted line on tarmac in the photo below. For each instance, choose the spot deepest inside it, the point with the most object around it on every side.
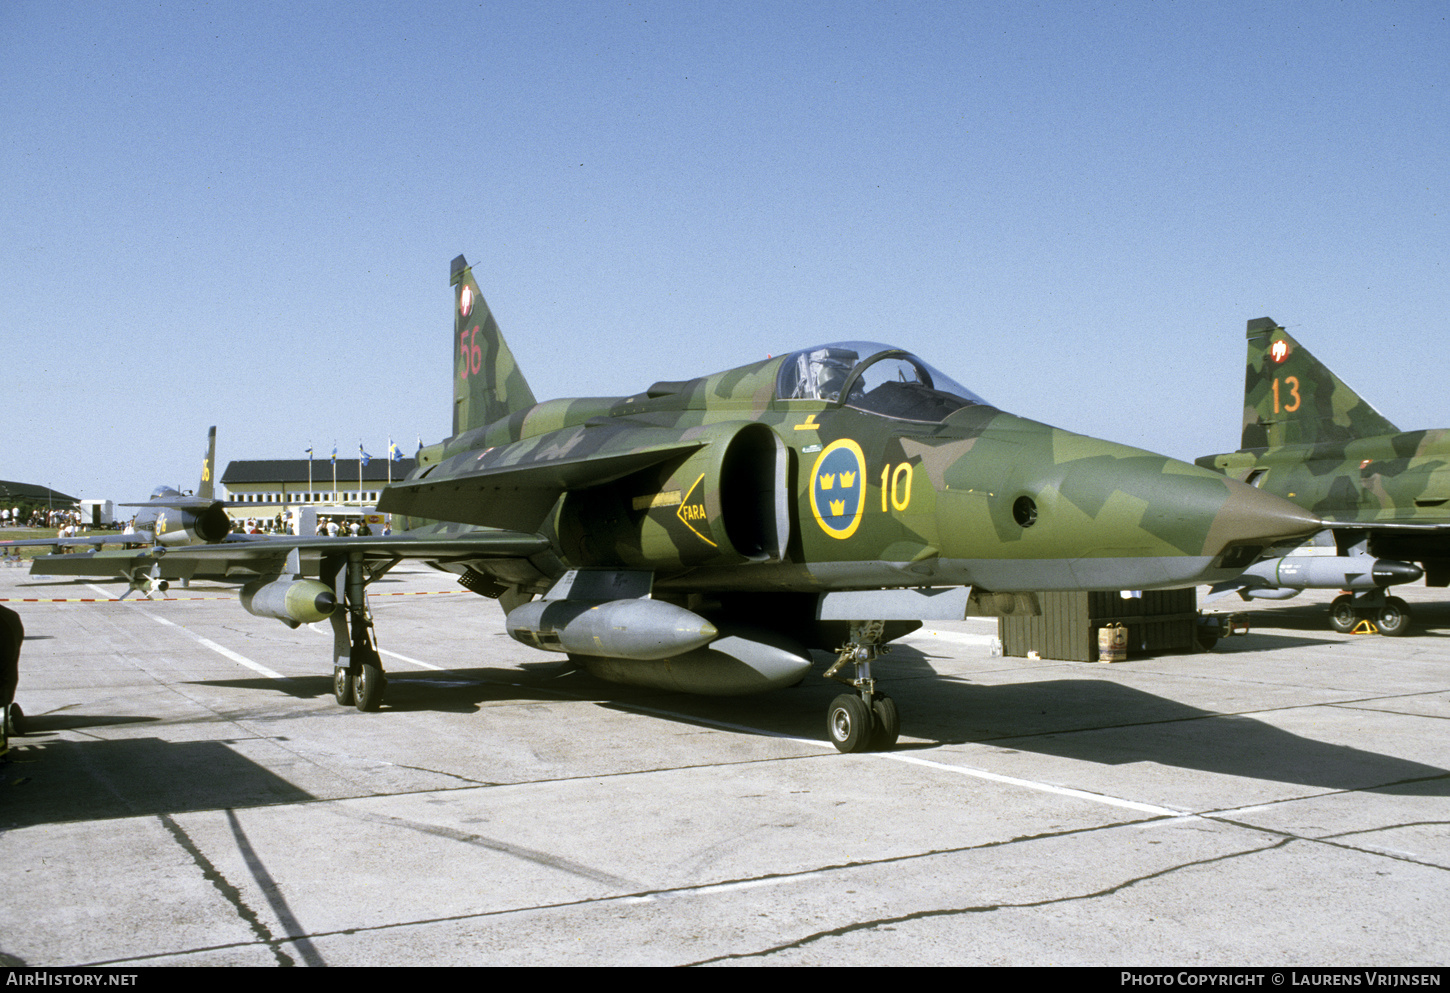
(1103, 798)
(960, 770)
(920, 638)
(224, 652)
(404, 658)
(324, 628)
(713, 888)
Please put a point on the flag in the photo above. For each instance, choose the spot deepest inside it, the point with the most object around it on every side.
(334, 453)
(395, 453)
(309, 453)
(362, 455)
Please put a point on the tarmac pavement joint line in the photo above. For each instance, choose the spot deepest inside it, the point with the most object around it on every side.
(233, 896)
(919, 915)
(503, 847)
(1334, 840)
(1281, 840)
(648, 896)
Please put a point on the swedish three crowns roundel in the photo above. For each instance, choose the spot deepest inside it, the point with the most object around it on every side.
(838, 488)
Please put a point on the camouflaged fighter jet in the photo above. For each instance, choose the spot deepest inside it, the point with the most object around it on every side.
(705, 534)
(1385, 492)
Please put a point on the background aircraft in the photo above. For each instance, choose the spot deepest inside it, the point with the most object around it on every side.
(170, 519)
(1385, 492)
(705, 534)
(175, 518)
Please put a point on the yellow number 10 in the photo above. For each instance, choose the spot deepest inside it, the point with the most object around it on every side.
(898, 484)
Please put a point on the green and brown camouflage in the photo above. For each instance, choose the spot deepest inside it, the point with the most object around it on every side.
(487, 383)
(1310, 439)
(1313, 440)
(720, 483)
(1291, 398)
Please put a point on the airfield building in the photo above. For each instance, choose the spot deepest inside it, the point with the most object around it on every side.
(274, 484)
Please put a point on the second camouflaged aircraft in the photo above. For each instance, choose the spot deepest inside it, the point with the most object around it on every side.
(1385, 493)
(705, 534)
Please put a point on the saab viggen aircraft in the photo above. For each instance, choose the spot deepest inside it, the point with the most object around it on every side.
(704, 534)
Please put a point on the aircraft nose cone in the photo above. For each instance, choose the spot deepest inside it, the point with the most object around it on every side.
(1250, 516)
(1388, 572)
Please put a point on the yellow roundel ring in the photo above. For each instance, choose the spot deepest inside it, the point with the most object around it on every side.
(838, 488)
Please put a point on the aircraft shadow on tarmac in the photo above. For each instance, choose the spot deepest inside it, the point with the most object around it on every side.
(1090, 720)
(1105, 722)
(74, 720)
(1260, 640)
(451, 691)
(48, 782)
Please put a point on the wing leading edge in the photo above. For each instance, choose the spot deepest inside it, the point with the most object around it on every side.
(260, 558)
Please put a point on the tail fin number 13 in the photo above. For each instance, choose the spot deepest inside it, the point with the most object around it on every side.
(1292, 382)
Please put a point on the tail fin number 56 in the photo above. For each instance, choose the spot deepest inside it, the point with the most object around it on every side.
(468, 348)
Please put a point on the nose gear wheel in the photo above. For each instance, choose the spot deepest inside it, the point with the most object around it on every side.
(865, 720)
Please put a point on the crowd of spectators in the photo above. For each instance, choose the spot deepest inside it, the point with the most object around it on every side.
(332, 527)
(327, 527)
(39, 517)
(259, 525)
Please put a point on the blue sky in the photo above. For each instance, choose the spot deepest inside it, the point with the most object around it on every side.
(242, 214)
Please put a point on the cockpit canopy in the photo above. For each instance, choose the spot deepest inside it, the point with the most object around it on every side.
(872, 376)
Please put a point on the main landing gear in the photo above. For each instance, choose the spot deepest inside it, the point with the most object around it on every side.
(357, 668)
(865, 720)
(361, 684)
(1387, 614)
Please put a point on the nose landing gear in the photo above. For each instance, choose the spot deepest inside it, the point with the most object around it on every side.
(865, 720)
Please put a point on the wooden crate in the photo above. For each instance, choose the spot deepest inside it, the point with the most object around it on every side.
(1158, 621)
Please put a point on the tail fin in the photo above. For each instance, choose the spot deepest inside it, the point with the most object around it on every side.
(205, 488)
(487, 383)
(1291, 398)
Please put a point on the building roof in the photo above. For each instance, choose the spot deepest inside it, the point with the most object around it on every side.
(294, 471)
(33, 492)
